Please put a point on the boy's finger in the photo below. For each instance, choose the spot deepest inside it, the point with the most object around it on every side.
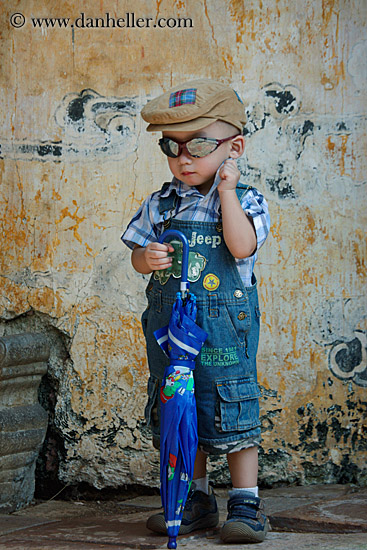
(161, 264)
(158, 246)
(169, 247)
(228, 170)
(226, 174)
(158, 254)
(230, 162)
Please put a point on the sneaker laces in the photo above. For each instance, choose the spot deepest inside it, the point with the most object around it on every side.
(190, 496)
(249, 507)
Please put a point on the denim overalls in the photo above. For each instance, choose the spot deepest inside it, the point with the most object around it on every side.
(226, 387)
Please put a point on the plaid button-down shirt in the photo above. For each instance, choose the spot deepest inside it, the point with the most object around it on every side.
(147, 224)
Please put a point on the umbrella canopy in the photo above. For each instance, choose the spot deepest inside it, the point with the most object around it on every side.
(181, 341)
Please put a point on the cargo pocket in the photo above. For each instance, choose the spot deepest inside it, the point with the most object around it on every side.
(151, 409)
(238, 404)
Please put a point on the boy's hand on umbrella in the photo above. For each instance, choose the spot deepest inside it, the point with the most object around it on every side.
(156, 255)
(229, 175)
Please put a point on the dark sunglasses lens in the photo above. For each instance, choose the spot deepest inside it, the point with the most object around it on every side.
(169, 147)
(201, 147)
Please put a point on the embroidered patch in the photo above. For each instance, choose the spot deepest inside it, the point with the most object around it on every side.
(211, 282)
(196, 266)
(182, 97)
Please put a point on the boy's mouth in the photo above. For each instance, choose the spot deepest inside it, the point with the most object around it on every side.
(187, 173)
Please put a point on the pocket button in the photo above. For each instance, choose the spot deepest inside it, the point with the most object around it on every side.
(241, 316)
(238, 293)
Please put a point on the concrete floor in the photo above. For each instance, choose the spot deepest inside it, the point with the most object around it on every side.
(329, 517)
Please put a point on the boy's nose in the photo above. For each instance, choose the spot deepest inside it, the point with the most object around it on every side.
(184, 158)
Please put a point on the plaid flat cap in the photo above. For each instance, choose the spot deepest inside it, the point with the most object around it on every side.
(194, 105)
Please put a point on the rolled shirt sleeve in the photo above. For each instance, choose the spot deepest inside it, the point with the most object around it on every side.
(255, 206)
(143, 228)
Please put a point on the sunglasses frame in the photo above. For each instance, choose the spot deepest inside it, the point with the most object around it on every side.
(182, 145)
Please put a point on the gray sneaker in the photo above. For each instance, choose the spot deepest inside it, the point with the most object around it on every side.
(246, 520)
(201, 512)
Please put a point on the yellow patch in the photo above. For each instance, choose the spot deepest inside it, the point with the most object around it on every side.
(211, 282)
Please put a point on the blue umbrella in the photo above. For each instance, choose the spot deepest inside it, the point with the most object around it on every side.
(181, 341)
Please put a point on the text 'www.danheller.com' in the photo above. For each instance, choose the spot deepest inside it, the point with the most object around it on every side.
(129, 21)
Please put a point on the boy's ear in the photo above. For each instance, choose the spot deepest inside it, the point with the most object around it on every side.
(237, 147)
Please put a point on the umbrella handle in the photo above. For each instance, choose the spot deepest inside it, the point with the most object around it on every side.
(184, 286)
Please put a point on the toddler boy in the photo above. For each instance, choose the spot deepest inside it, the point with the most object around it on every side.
(225, 222)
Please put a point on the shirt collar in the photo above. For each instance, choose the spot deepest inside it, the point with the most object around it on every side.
(184, 190)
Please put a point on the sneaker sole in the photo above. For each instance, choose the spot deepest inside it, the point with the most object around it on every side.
(237, 531)
(158, 525)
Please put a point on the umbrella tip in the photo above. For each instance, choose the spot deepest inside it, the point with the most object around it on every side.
(172, 543)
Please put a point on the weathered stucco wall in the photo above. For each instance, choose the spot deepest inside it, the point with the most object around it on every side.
(76, 163)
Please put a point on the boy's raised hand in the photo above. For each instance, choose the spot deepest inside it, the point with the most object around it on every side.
(229, 175)
(156, 255)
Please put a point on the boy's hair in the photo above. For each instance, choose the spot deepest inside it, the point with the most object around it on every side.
(194, 105)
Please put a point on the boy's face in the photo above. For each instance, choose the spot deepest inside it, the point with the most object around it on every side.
(200, 172)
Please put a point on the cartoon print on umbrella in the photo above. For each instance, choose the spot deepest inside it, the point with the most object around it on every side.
(181, 340)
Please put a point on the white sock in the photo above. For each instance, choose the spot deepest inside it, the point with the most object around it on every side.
(202, 484)
(253, 490)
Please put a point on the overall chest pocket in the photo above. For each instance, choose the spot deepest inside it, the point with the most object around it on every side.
(237, 318)
(238, 404)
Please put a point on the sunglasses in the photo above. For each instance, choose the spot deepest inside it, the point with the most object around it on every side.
(197, 147)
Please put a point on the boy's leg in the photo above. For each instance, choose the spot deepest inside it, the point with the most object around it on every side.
(200, 464)
(246, 521)
(200, 477)
(243, 467)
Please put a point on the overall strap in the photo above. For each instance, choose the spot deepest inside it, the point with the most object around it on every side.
(242, 189)
(167, 204)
